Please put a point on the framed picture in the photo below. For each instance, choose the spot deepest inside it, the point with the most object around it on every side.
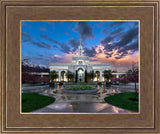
(80, 67)
(85, 64)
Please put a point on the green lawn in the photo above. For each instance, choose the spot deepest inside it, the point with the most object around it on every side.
(32, 101)
(122, 100)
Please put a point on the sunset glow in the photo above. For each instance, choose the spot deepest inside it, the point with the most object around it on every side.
(112, 42)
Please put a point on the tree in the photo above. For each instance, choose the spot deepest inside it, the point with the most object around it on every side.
(27, 68)
(107, 74)
(86, 76)
(27, 77)
(30, 78)
(76, 76)
(53, 75)
(91, 75)
(69, 75)
(132, 76)
(124, 79)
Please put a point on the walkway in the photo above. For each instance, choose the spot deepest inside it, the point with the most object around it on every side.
(75, 103)
(81, 107)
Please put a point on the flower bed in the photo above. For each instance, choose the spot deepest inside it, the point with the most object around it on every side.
(80, 89)
(81, 83)
(77, 88)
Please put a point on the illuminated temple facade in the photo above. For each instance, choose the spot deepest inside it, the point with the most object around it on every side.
(80, 64)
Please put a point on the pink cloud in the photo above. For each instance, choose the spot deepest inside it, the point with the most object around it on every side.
(121, 65)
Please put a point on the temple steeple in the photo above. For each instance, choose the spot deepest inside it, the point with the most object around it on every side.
(80, 49)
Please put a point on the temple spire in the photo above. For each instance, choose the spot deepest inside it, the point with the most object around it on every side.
(80, 49)
(80, 40)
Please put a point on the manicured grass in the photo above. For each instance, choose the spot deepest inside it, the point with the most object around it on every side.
(122, 100)
(77, 88)
(32, 101)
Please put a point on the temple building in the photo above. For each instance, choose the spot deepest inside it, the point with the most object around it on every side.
(80, 64)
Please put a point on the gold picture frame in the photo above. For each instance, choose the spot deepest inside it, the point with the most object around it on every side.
(13, 11)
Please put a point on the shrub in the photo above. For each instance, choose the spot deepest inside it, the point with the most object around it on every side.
(81, 88)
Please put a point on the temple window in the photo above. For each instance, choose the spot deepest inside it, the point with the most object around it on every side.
(80, 62)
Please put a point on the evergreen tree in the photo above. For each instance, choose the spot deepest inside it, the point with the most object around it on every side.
(53, 75)
(69, 75)
(107, 74)
(86, 76)
(76, 76)
(91, 75)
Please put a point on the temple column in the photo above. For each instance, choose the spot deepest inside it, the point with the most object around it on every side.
(66, 79)
(59, 79)
(94, 77)
(64, 76)
(117, 75)
(100, 76)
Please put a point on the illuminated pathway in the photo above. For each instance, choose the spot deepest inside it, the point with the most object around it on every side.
(76, 103)
(79, 107)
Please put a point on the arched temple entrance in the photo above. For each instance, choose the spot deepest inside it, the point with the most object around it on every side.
(81, 74)
(63, 77)
(97, 76)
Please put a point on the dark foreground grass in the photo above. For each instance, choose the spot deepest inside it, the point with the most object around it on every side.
(122, 100)
(32, 101)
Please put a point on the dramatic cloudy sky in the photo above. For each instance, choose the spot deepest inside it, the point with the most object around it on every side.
(113, 42)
